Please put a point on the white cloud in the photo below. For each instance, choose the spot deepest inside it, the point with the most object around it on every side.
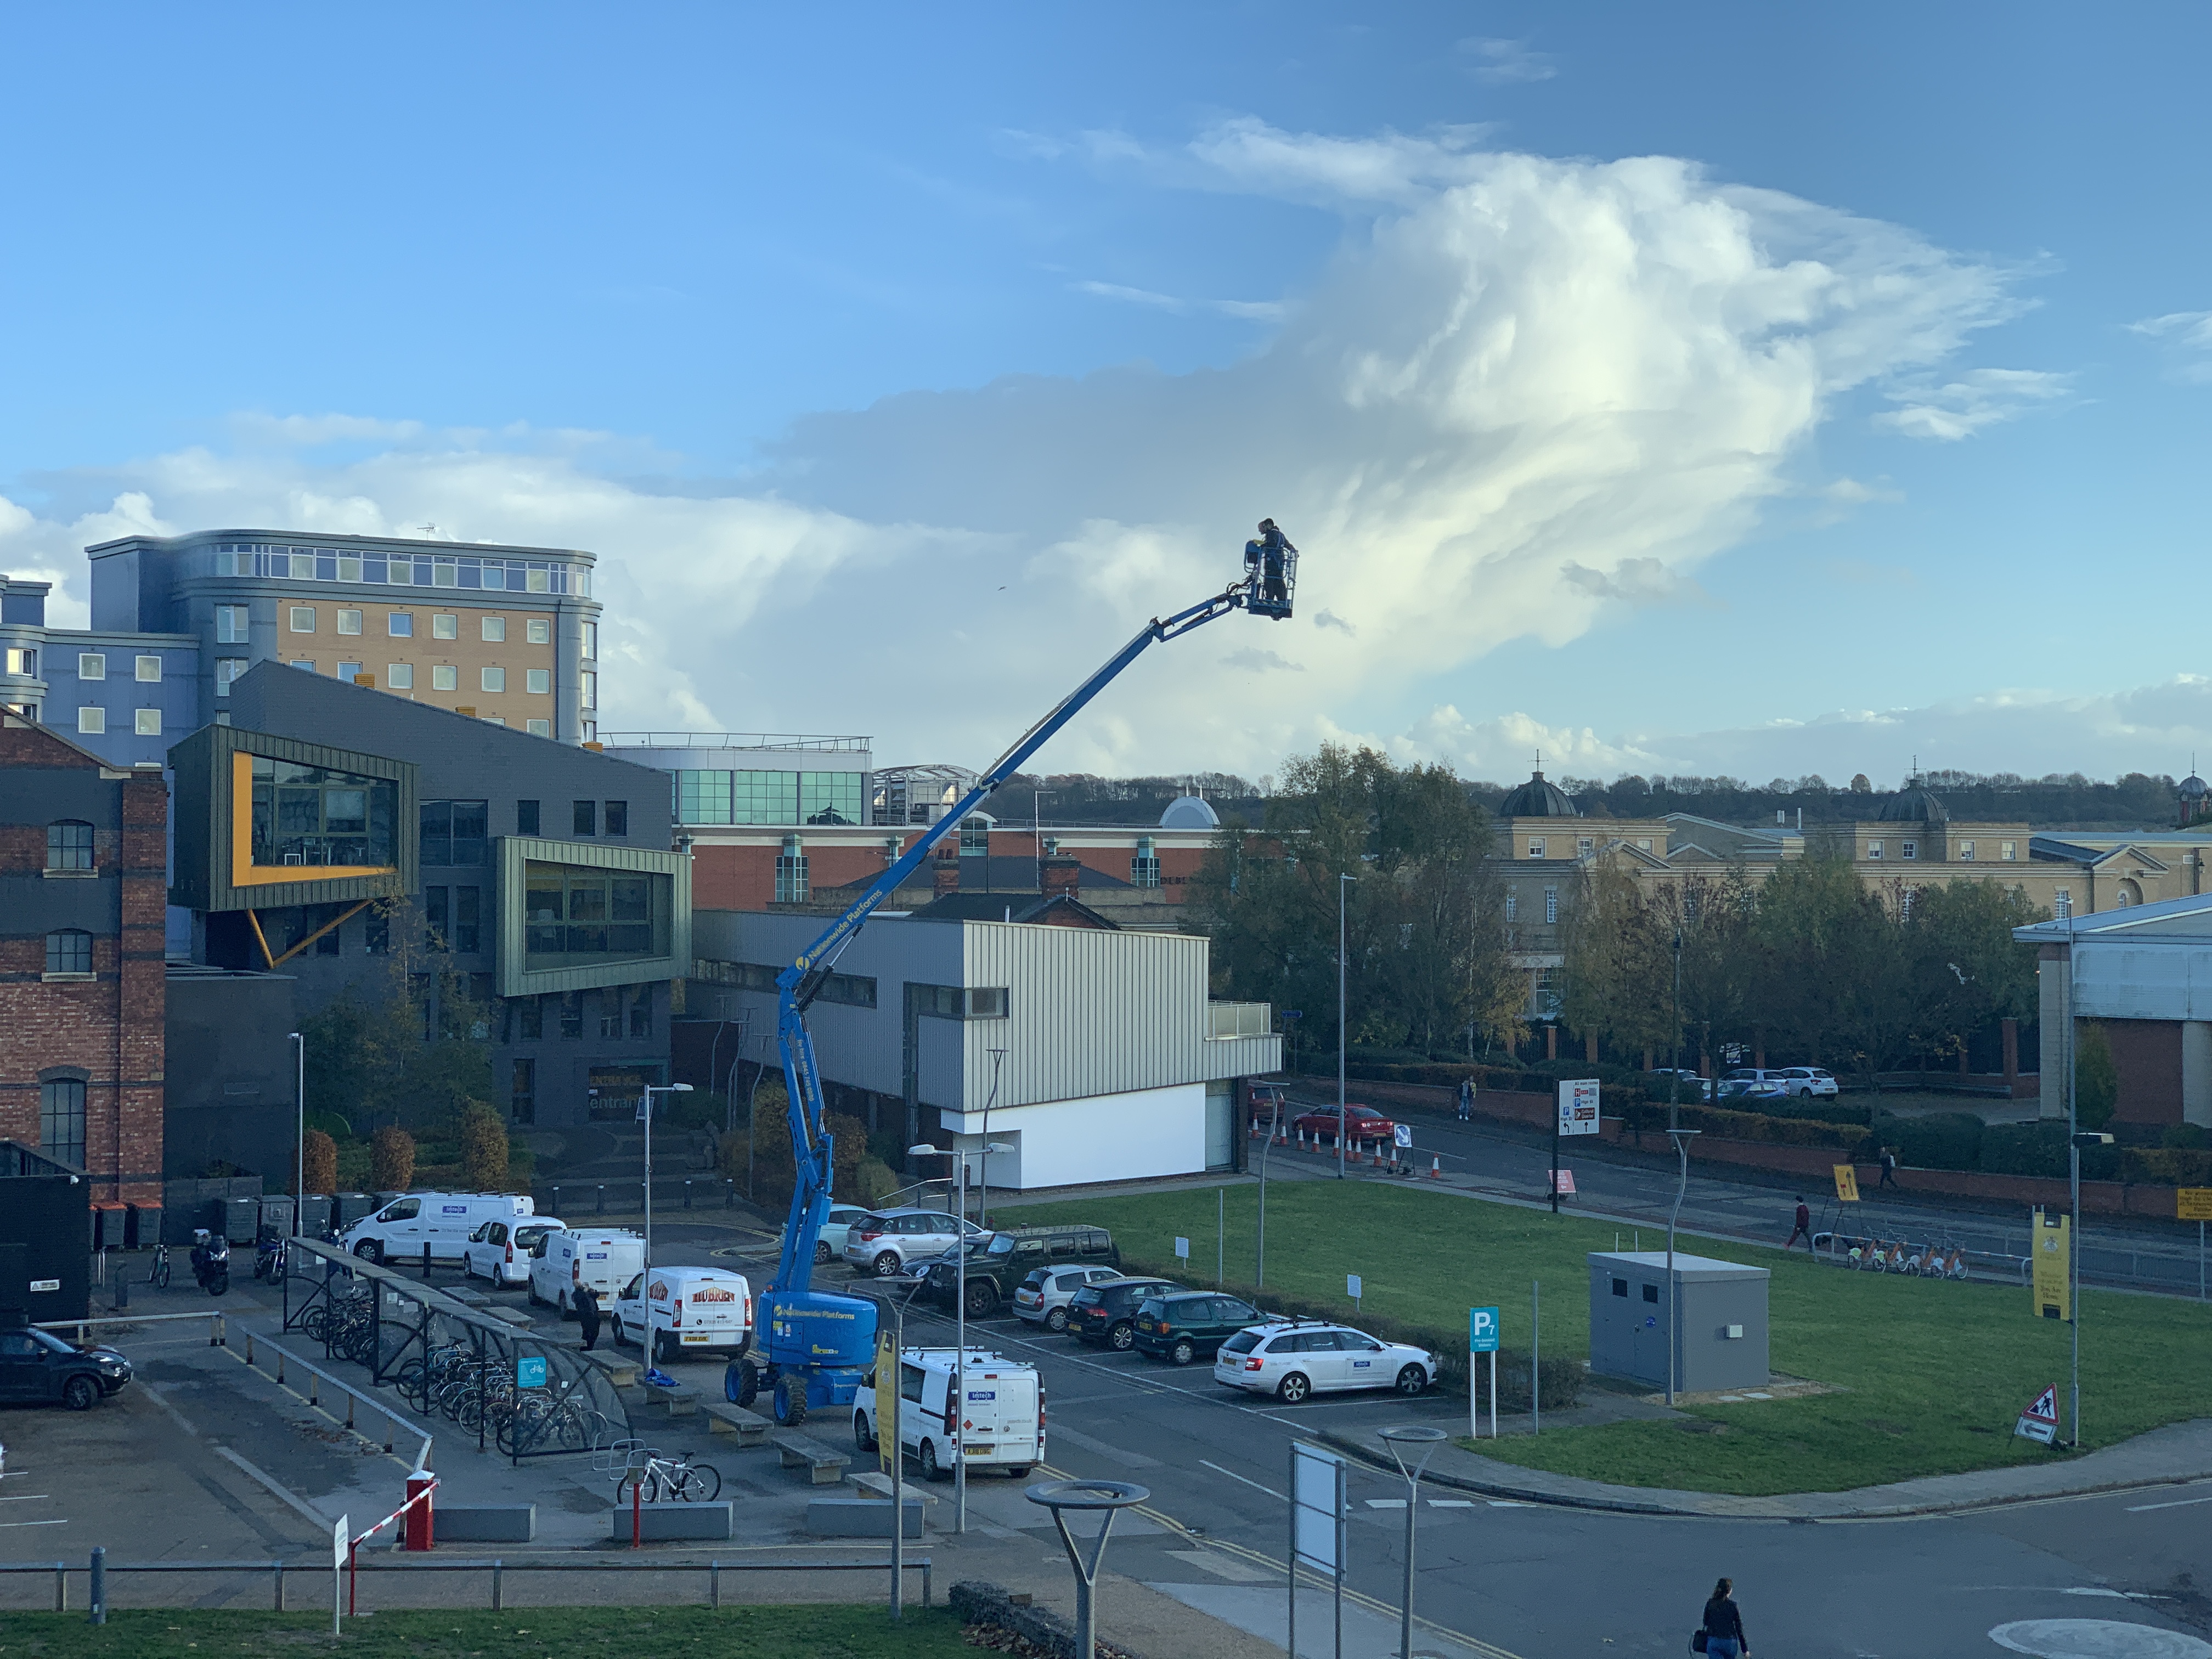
(1978, 399)
(1265, 311)
(1501, 62)
(1524, 392)
(2188, 337)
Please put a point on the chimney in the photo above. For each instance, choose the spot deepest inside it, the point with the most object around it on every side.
(948, 877)
(1059, 877)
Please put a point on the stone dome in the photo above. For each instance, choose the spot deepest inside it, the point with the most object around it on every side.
(1913, 805)
(1190, 812)
(1539, 799)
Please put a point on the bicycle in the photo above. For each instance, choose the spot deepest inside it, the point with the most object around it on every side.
(157, 1275)
(654, 1476)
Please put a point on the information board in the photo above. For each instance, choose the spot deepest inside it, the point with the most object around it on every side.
(1578, 1107)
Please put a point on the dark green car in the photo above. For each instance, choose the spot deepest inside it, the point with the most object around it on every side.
(1191, 1324)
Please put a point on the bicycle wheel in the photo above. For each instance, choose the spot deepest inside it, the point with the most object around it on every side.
(699, 1483)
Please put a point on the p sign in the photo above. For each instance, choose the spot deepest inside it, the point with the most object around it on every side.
(1578, 1107)
(1482, 1330)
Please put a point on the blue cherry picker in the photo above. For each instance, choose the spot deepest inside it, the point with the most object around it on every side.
(814, 1346)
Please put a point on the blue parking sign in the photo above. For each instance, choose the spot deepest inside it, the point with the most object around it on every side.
(1482, 1330)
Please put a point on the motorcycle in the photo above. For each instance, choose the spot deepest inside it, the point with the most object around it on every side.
(269, 1257)
(211, 1262)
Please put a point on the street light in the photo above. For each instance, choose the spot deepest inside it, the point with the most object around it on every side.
(645, 1113)
(299, 1141)
(959, 1323)
(1340, 881)
(1410, 1435)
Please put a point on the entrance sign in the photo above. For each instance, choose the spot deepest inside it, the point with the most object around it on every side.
(1578, 1107)
(2052, 1285)
(2039, 1422)
(1352, 1286)
(1847, 1184)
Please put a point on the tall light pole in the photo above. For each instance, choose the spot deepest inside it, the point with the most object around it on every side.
(645, 1113)
(959, 1326)
(300, 1140)
(1341, 881)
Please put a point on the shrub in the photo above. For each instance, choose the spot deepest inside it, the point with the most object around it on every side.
(2168, 1166)
(484, 1148)
(871, 1179)
(2187, 1138)
(391, 1160)
(2096, 1078)
(1943, 1140)
(2025, 1149)
(319, 1158)
(774, 1173)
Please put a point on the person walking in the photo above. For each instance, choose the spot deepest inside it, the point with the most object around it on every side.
(586, 1304)
(1888, 1167)
(1723, 1626)
(1804, 1227)
(1466, 1099)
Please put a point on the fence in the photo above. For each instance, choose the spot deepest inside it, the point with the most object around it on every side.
(701, 1191)
(497, 1568)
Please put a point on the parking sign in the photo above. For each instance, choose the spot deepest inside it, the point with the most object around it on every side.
(1482, 1330)
(1578, 1108)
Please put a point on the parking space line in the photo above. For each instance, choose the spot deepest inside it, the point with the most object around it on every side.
(34, 1523)
(1255, 1485)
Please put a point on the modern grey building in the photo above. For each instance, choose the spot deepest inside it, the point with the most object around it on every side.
(125, 694)
(507, 634)
(328, 824)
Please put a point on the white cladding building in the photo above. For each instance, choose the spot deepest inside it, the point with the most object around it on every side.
(1109, 1061)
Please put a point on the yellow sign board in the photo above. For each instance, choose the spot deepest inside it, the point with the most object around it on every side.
(2051, 1281)
(1847, 1184)
(886, 1398)
(2193, 1203)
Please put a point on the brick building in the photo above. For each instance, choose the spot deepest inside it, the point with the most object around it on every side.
(82, 879)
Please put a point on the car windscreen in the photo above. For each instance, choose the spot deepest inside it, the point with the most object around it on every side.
(1242, 1342)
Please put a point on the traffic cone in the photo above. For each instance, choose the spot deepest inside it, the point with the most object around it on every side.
(1436, 1167)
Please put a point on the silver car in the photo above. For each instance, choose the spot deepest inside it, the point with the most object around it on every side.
(1042, 1298)
(830, 1242)
(888, 1242)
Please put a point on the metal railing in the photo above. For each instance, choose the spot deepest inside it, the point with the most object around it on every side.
(286, 1360)
(787, 740)
(497, 1567)
(1239, 1019)
(217, 1330)
(703, 1192)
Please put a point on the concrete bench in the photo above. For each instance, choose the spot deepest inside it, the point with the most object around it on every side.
(746, 1428)
(826, 1468)
(879, 1485)
(665, 1521)
(510, 1524)
(621, 1371)
(678, 1401)
(859, 1517)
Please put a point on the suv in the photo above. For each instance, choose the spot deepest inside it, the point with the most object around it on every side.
(38, 1366)
(998, 1263)
(1190, 1326)
(1107, 1312)
(887, 1243)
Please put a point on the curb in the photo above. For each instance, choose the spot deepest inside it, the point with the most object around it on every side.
(1602, 1503)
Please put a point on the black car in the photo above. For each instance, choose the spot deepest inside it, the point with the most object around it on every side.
(1191, 1326)
(37, 1366)
(998, 1263)
(1108, 1313)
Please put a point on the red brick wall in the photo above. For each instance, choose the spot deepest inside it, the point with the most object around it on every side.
(110, 1026)
(2147, 1054)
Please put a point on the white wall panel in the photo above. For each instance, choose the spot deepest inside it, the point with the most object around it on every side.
(1131, 1136)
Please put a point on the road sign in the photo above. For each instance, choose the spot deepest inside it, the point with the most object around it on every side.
(2193, 1203)
(1183, 1249)
(1401, 1134)
(2052, 1282)
(1482, 1330)
(1578, 1107)
(1352, 1285)
(530, 1371)
(1847, 1184)
(1563, 1183)
(2039, 1422)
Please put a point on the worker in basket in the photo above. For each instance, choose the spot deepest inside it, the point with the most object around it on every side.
(1265, 556)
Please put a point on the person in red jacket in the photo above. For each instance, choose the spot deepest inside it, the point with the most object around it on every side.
(1804, 1228)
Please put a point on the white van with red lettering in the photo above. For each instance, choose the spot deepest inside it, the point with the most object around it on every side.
(687, 1311)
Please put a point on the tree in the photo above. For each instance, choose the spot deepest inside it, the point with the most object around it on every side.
(1617, 976)
(1840, 989)
(2096, 1077)
(392, 1159)
(1969, 970)
(375, 1053)
(1723, 961)
(484, 1148)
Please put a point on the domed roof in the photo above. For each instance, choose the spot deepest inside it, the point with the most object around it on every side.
(2195, 788)
(1539, 799)
(1190, 812)
(1913, 805)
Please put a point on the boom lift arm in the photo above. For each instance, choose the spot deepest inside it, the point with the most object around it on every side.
(817, 1343)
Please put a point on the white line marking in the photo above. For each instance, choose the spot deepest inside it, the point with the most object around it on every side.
(1255, 1485)
(34, 1523)
(2178, 1504)
(1386, 1503)
(270, 1481)
(28, 1498)
(1451, 1503)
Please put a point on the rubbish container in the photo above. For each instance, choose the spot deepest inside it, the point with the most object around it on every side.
(355, 1206)
(241, 1220)
(144, 1230)
(276, 1215)
(315, 1214)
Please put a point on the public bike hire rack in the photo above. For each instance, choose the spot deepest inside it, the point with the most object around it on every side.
(409, 1319)
(1106, 1497)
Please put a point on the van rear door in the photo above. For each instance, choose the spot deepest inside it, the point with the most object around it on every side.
(999, 1421)
(711, 1311)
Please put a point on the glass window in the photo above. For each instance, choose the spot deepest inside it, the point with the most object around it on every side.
(572, 912)
(538, 680)
(590, 639)
(446, 573)
(399, 675)
(522, 1103)
(1965, 852)
(147, 722)
(302, 619)
(92, 719)
(2063, 904)
(1583, 845)
(538, 631)
(436, 920)
(400, 624)
(308, 815)
(1536, 847)
(538, 728)
(150, 668)
(307, 665)
(584, 818)
(492, 679)
(348, 621)
(572, 1014)
(526, 817)
(611, 1011)
(445, 677)
(230, 624)
(69, 950)
(445, 627)
(494, 628)
(831, 797)
(92, 664)
(589, 684)
(1145, 867)
(467, 917)
(1551, 905)
(69, 845)
(2006, 849)
(1910, 849)
(61, 1121)
(227, 669)
(21, 659)
(764, 797)
(347, 670)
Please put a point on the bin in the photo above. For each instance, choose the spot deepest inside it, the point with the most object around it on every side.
(107, 1225)
(276, 1215)
(145, 1227)
(241, 1220)
(315, 1214)
(355, 1206)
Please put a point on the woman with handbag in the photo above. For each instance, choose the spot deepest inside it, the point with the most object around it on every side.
(1722, 1635)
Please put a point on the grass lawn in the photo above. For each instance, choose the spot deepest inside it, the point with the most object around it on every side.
(613, 1632)
(1933, 1372)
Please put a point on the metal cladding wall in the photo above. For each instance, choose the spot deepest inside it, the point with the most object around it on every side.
(231, 1077)
(47, 1218)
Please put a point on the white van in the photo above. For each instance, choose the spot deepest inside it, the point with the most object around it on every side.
(398, 1233)
(605, 1258)
(706, 1311)
(1002, 1427)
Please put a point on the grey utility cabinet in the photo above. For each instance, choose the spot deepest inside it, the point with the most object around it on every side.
(1723, 1312)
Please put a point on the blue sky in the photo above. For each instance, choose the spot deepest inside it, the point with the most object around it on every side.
(1730, 388)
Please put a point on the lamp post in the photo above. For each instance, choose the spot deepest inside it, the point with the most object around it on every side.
(959, 1324)
(645, 1115)
(1341, 883)
(1410, 1435)
(300, 1140)
(1682, 1161)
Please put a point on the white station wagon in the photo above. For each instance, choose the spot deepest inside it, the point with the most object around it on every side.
(1291, 1360)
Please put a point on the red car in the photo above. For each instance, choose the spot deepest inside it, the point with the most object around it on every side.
(1360, 1123)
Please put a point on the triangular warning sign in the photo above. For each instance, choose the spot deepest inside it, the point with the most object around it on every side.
(2045, 1408)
